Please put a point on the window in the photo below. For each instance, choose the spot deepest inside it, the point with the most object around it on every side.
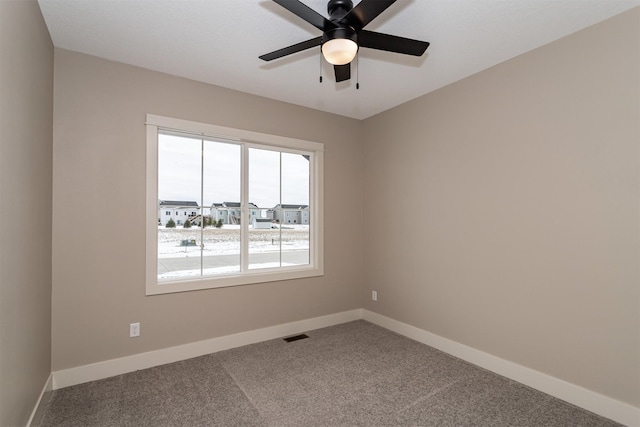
(236, 186)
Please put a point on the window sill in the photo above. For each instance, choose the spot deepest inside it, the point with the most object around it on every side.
(259, 276)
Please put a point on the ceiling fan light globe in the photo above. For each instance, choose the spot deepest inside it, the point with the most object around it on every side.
(339, 51)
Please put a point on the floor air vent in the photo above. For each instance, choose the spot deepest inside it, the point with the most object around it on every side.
(296, 338)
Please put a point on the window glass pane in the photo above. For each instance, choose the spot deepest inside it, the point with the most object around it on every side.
(179, 194)
(295, 204)
(264, 196)
(221, 195)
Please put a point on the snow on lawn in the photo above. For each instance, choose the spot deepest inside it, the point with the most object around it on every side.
(226, 240)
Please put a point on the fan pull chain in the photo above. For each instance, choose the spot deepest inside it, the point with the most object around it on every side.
(357, 71)
(320, 64)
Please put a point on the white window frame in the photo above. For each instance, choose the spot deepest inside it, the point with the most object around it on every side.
(154, 123)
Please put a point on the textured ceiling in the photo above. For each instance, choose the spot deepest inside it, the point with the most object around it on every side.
(219, 41)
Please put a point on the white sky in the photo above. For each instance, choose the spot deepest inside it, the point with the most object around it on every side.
(180, 167)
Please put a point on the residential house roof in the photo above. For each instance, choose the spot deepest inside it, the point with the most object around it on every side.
(279, 206)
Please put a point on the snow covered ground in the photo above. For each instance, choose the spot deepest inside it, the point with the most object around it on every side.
(221, 252)
(226, 240)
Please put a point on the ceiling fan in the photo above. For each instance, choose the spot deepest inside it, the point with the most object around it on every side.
(343, 33)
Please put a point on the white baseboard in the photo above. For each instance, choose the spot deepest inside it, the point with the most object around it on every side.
(597, 403)
(41, 404)
(113, 367)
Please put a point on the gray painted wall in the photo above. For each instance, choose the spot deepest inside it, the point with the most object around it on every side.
(26, 127)
(525, 178)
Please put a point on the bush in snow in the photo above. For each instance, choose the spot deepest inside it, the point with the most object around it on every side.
(187, 224)
(171, 223)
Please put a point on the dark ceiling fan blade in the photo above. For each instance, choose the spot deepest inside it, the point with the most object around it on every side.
(343, 72)
(305, 12)
(391, 43)
(298, 47)
(365, 12)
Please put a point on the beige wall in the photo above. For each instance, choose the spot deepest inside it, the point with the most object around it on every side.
(506, 210)
(26, 126)
(99, 213)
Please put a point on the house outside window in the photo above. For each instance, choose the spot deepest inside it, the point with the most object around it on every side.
(177, 208)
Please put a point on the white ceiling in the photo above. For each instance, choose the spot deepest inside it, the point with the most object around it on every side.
(219, 41)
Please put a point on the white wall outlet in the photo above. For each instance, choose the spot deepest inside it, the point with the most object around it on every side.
(134, 330)
(374, 295)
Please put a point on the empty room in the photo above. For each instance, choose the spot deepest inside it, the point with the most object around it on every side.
(319, 213)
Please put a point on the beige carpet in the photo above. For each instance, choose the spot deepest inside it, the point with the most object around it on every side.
(355, 374)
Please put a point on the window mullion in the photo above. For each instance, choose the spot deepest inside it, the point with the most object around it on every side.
(244, 204)
(283, 213)
(312, 206)
(201, 207)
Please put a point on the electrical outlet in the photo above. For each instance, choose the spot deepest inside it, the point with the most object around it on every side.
(134, 330)
(374, 295)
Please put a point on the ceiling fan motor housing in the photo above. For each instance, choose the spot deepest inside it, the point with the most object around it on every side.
(338, 9)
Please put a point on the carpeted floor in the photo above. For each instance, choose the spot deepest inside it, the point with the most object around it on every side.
(354, 374)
